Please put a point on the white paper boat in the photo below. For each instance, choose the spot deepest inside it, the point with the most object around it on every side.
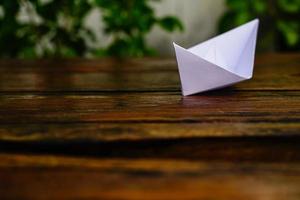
(219, 62)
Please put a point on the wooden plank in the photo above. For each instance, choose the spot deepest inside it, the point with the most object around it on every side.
(196, 141)
(272, 72)
(115, 129)
(217, 106)
(53, 177)
(105, 132)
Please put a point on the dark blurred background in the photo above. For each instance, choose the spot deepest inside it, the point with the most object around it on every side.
(136, 28)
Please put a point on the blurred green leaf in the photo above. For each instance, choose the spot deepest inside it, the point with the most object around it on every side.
(28, 52)
(242, 18)
(292, 6)
(259, 6)
(170, 24)
(290, 30)
(279, 21)
(238, 5)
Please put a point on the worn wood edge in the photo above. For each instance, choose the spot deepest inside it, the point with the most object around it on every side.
(267, 149)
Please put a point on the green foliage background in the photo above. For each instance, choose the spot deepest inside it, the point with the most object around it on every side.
(280, 22)
(55, 28)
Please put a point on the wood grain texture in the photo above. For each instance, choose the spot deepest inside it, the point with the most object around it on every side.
(272, 72)
(87, 178)
(120, 129)
(113, 131)
(219, 106)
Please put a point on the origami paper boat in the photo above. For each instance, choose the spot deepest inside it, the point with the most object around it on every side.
(219, 62)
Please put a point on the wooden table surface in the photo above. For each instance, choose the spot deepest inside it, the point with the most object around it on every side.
(120, 129)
